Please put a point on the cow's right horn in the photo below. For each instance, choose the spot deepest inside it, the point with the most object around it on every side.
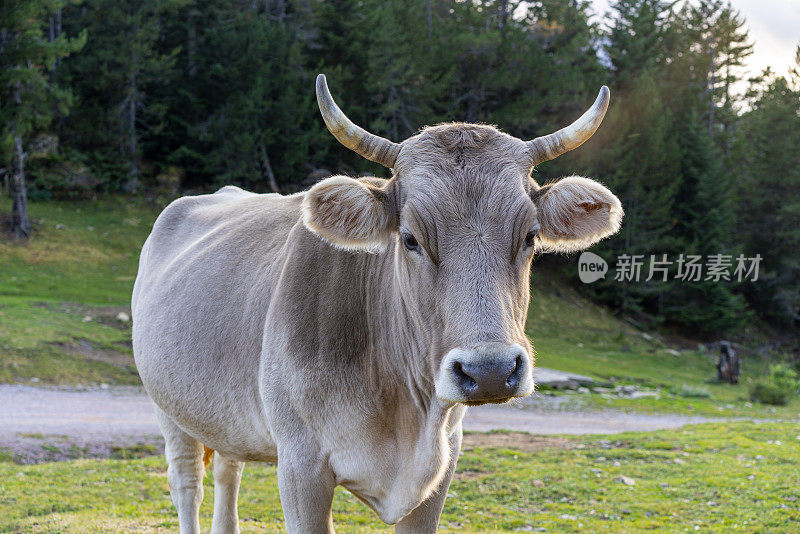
(553, 145)
(371, 146)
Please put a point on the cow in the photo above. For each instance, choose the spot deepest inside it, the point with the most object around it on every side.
(343, 331)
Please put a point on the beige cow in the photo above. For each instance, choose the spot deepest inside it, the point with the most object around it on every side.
(342, 331)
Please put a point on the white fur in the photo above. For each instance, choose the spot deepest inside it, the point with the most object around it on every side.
(344, 212)
(576, 212)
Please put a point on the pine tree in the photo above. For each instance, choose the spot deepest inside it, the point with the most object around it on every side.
(115, 78)
(30, 99)
(768, 183)
(245, 111)
(638, 146)
(705, 218)
(719, 44)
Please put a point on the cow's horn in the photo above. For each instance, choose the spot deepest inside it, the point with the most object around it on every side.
(551, 146)
(371, 146)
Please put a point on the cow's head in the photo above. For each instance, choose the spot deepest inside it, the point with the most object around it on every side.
(462, 218)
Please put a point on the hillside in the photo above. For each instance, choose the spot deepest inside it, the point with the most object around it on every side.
(64, 319)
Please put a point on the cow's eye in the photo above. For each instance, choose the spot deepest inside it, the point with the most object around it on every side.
(530, 238)
(409, 241)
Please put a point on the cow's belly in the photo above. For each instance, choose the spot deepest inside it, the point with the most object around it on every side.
(204, 380)
(228, 420)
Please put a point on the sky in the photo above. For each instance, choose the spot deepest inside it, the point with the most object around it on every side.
(774, 29)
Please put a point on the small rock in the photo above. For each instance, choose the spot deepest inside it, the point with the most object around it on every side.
(664, 485)
(711, 503)
(751, 477)
(568, 517)
(617, 464)
(123, 317)
(622, 479)
(35, 379)
(643, 394)
(648, 337)
(625, 511)
(60, 227)
(580, 345)
(537, 484)
(673, 352)
(104, 386)
(679, 461)
(87, 319)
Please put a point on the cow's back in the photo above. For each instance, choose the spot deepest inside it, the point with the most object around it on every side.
(206, 276)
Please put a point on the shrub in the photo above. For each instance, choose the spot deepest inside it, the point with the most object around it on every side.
(778, 388)
(692, 392)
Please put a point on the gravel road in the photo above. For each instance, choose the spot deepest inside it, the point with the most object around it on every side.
(54, 423)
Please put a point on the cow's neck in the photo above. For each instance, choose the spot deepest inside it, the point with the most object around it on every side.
(400, 340)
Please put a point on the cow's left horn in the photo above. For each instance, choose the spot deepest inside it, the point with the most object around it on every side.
(551, 146)
(371, 146)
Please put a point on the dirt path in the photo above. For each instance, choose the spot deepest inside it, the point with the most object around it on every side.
(40, 424)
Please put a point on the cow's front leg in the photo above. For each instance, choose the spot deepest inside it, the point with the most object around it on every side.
(306, 485)
(425, 517)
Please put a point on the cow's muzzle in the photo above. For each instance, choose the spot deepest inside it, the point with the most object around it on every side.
(492, 372)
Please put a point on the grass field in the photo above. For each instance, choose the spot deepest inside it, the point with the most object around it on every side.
(707, 478)
(60, 295)
(61, 292)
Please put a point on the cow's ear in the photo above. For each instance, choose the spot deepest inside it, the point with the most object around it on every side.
(351, 214)
(576, 212)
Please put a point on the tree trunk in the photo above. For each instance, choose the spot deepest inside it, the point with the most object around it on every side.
(20, 223)
(54, 33)
(430, 19)
(191, 44)
(132, 183)
(273, 184)
(711, 85)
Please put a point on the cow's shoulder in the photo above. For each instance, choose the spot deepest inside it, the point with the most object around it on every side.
(221, 226)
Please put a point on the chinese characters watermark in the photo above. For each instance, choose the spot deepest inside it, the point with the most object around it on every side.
(660, 268)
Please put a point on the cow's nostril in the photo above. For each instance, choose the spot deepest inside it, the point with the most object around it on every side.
(464, 380)
(513, 377)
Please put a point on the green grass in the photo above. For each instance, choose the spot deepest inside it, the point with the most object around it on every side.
(92, 260)
(712, 478)
(80, 264)
(572, 334)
